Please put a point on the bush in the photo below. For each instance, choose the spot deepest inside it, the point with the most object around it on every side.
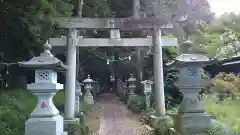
(227, 77)
(224, 89)
(219, 128)
(161, 125)
(136, 103)
(81, 128)
(226, 85)
(85, 108)
(226, 111)
(78, 129)
(15, 108)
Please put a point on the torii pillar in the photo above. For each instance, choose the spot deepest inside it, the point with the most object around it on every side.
(158, 72)
(69, 108)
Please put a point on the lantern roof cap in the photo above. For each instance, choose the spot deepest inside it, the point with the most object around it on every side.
(132, 78)
(147, 82)
(78, 83)
(88, 80)
(46, 60)
(195, 58)
(192, 59)
(189, 56)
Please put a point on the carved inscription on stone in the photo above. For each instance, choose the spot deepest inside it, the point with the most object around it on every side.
(43, 105)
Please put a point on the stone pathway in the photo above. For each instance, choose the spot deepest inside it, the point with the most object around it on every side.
(114, 119)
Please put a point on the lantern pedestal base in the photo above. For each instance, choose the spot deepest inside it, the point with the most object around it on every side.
(47, 126)
(191, 123)
(172, 131)
(88, 98)
(131, 94)
(73, 121)
(65, 133)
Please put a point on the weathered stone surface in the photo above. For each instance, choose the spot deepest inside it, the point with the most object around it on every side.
(44, 126)
(192, 123)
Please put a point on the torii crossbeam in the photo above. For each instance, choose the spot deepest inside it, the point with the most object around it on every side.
(111, 42)
(112, 23)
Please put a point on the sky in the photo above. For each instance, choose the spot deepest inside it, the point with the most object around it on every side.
(220, 7)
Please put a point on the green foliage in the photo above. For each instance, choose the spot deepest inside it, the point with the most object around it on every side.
(226, 85)
(40, 18)
(160, 124)
(219, 128)
(172, 96)
(81, 128)
(223, 87)
(136, 103)
(97, 8)
(15, 108)
(226, 111)
(170, 78)
(77, 129)
(219, 39)
(27, 24)
(59, 98)
(85, 108)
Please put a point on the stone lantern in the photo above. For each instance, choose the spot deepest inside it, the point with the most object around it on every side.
(147, 91)
(78, 94)
(191, 118)
(112, 78)
(131, 84)
(45, 118)
(88, 98)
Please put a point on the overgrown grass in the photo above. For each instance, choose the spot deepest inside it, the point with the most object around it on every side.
(15, 108)
(226, 111)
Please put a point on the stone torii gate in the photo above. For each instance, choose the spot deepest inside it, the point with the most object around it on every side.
(113, 41)
(114, 25)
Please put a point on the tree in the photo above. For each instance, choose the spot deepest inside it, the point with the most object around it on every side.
(27, 24)
(220, 38)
